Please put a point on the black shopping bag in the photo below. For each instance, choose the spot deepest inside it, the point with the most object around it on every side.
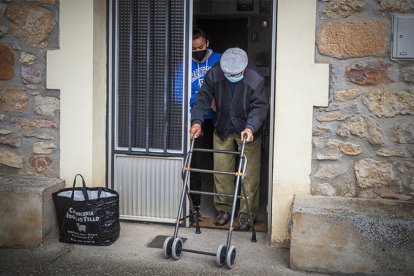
(87, 215)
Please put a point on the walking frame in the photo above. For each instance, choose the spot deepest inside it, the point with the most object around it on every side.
(226, 253)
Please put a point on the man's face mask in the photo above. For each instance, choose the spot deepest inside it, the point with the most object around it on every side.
(234, 78)
(199, 55)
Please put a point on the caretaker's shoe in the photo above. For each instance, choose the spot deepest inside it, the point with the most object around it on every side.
(242, 225)
(222, 218)
(197, 214)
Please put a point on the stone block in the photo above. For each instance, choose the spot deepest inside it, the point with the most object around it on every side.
(351, 39)
(6, 61)
(13, 99)
(355, 236)
(31, 23)
(27, 211)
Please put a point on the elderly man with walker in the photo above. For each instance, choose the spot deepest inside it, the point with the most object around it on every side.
(241, 108)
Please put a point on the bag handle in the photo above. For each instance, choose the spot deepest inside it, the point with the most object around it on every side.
(85, 193)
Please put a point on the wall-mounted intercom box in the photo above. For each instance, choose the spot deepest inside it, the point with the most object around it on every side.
(403, 37)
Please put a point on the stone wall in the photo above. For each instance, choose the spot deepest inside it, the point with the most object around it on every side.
(352, 236)
(363, 142)
(29, 113)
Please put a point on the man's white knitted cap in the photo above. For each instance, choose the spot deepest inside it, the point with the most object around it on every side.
(233, 61)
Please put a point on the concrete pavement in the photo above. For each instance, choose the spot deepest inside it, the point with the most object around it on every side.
(130, 255)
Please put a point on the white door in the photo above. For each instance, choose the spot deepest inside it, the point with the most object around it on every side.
(148, 111)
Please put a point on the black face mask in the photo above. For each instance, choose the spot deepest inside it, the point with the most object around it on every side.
(199, 55)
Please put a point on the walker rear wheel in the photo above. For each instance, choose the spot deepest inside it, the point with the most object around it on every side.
(177, 247)
(221, 255)
(166, 248)
(231, 257)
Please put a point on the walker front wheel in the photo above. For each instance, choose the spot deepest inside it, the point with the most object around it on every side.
(231, 257)
(177, 248)
(166, 247)
(221, 255)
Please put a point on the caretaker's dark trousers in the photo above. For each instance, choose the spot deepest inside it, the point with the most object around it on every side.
(201, 160)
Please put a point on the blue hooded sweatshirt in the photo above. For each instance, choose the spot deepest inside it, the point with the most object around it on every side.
(198, 72)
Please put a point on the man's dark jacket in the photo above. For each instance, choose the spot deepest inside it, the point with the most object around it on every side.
(247, 108)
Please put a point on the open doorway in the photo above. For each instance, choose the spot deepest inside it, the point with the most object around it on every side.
(247, 25)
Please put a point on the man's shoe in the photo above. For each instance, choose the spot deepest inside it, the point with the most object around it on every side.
(222, 218)
(242, 225)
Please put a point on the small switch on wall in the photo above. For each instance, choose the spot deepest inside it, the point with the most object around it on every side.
(403, 37)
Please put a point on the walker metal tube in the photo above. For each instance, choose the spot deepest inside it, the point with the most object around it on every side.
(213, 194)
(217, 151)
(184, 191)
(247, 204)
(212, 171)
(198, 252)
(239, 170)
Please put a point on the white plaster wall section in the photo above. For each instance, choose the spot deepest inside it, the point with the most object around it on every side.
(70, 69)
(300, 85)
(99, 93)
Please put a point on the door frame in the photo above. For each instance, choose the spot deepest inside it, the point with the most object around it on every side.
(188, 22)
(272, 118)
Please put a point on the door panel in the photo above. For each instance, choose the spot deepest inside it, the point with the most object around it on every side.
(149, 187)
(148, 106)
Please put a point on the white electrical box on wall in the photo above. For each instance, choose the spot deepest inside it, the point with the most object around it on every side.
(403, 37)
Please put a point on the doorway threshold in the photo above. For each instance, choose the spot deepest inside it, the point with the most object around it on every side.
(208, 222)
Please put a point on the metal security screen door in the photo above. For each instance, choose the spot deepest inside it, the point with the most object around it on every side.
(147, 105)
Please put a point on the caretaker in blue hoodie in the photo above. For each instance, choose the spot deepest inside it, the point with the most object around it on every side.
(203, 60)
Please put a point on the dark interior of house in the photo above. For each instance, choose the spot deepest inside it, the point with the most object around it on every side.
(247, 25)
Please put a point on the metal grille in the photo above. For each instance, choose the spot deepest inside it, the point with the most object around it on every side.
(149, 115)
